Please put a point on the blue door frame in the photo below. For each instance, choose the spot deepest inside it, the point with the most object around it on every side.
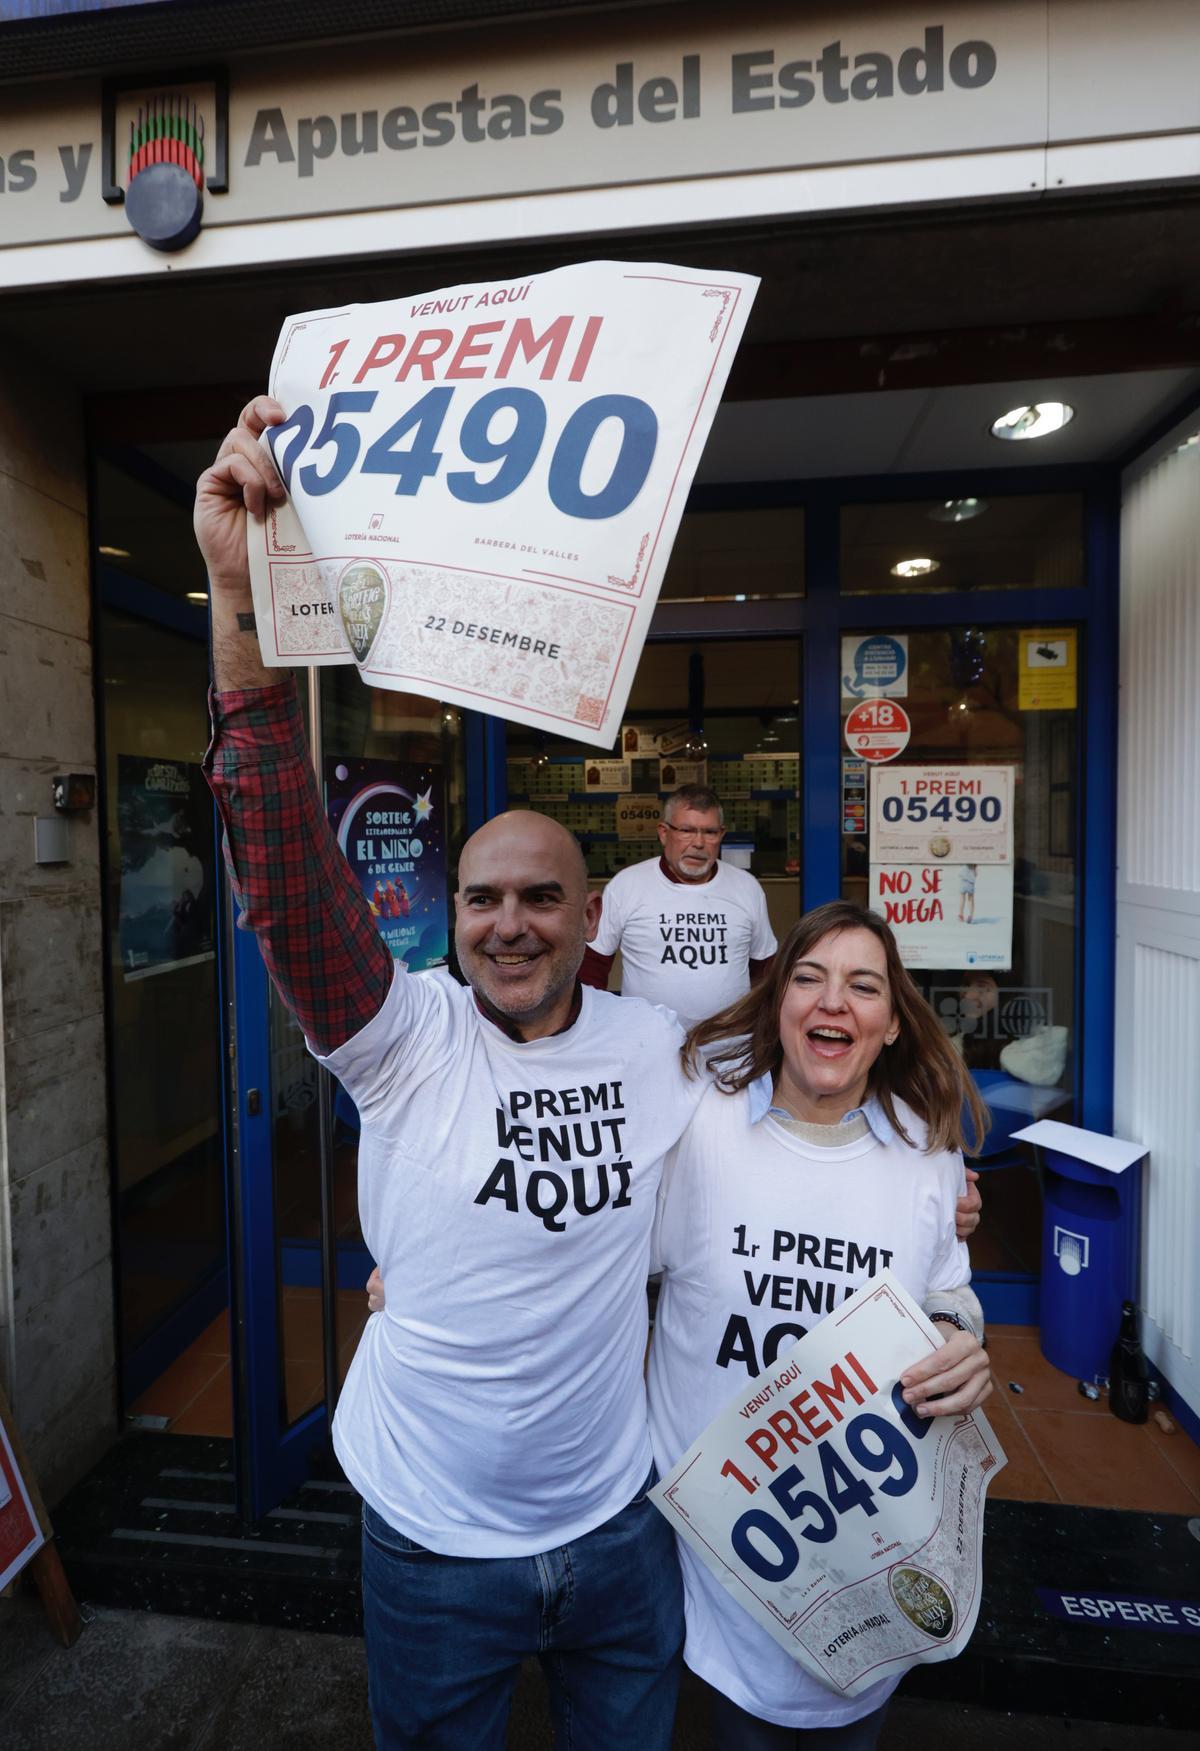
(273, 1458)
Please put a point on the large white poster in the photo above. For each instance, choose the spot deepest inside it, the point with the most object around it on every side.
(848, 1527)
(942, 862)
(947, 915)
(936, 814)
(486, 482)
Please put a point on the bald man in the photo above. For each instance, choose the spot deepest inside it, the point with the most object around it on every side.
(513, 1132)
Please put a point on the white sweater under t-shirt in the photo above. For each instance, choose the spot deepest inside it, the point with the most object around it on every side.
(686, 945)
(507, 1191)
(760, 1234)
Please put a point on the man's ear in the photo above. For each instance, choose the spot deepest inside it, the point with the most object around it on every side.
(592, 908)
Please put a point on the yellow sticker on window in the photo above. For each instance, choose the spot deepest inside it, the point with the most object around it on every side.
(1048, 667)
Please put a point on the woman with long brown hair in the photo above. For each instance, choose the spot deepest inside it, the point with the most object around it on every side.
(828, 1147)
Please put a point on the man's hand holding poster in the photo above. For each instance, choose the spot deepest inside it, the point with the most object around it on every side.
(485, 483)
(847, 1526)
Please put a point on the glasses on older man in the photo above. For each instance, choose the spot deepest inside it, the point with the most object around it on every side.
(707, 833)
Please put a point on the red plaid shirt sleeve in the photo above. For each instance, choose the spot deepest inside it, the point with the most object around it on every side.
(295, 890)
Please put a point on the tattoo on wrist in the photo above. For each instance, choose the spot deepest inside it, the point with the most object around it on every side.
(247, 623)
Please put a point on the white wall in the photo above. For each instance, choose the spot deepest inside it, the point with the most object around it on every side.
(1157, 1081)
(56, 1319)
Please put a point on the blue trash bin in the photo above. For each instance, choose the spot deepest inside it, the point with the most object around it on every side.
(1091, 1230)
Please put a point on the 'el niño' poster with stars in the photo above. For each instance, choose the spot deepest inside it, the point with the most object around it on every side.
(390, 821)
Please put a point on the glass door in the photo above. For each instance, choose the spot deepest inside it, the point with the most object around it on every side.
(164, 1056)
(947, 718)
(392, 771)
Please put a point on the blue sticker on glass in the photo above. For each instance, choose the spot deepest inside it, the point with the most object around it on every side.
(874, 666)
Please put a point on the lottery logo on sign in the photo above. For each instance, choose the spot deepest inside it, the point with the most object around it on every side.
(878, 730)
(362, 599)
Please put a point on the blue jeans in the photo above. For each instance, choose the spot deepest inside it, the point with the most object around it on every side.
(446, 1636)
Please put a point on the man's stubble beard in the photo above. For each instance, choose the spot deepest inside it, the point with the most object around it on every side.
(473, 964)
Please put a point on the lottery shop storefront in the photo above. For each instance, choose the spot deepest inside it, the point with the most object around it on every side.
(894, 602)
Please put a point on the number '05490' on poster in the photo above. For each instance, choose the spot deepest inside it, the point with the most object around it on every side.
(485, 482)
(846, 1525)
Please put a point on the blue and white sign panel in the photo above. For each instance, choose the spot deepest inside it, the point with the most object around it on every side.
(875, 667)
(486, 482)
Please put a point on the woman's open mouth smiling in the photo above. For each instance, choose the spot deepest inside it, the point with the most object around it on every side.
(829, 1042)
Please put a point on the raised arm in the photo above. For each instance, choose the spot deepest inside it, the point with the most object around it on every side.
(241, 482)
(314, 927)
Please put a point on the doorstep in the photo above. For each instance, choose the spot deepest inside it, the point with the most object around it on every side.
(154, 1527)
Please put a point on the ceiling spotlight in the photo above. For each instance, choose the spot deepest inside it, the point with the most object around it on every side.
(958, 510)
(1037, 421)
(197, 595)
(914, 568)
(114, 552)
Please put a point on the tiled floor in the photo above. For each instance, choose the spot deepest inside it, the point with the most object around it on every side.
(195, 1392)
(1060, 1447)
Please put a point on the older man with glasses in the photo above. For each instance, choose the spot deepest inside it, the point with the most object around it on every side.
(693, 930)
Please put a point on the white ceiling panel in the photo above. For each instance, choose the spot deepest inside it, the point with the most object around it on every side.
(935, 430)
(810, 439)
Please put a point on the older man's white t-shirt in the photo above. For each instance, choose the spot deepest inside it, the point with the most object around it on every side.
(686, 945)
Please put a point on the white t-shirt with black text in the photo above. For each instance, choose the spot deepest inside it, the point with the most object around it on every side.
(507, 1191)
(686, 945)
(760, 1236)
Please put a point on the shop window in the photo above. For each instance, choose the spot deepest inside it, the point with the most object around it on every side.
(724, 713)
(147, 534)
(736, 556)
(1019, 542)
(993, 947)
(162, 871)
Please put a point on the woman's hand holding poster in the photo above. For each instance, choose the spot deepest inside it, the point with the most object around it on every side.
(846, 1525)
(485, 483)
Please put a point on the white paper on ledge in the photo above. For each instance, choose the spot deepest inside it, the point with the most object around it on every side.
(1094, 1147)
(486, 483)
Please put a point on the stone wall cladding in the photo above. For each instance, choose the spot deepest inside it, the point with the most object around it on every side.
(56, 1306)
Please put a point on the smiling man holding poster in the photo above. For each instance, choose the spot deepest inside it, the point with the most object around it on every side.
(513, 1130)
